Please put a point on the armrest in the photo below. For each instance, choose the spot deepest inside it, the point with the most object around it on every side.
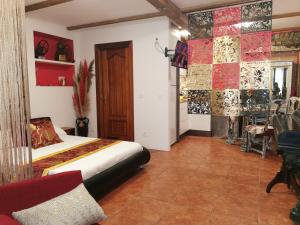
(5, 220)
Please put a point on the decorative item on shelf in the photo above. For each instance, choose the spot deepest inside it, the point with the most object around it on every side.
(61, 51)
(41, 49)
(180, 58)
(82, 84)
(62, 80)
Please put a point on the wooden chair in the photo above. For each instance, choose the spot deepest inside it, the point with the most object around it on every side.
(259, 132)
(292, 105)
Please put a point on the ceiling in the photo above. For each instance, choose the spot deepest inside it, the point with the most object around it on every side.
(78, 12)
(87, 11)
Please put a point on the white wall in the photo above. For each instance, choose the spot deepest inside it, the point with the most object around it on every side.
(173, 89)
(200, 122)
(192, 121)
(151, 76)
(55, 102)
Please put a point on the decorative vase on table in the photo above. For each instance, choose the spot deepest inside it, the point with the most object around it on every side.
(81, 86)
(82, 126)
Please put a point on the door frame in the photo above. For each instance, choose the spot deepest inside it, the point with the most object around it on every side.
(99, 83)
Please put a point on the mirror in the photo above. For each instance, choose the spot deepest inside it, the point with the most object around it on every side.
(281, 80)
(285, 63)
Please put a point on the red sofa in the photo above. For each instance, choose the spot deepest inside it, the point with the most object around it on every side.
(26, 194)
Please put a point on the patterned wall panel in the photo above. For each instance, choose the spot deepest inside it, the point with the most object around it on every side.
(255, 75)
(199, 102)
(256, 46)
(229, 54)
(231, 102)
(261, 97)
(257, 10)
(201, 24)
(257, 17)
(199, 77)
(226, 21)
(217, 103)
(200, 51)
(226, 76)
(226, 49)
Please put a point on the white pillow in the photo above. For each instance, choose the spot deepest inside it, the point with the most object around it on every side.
(60, 132)
(74, 207)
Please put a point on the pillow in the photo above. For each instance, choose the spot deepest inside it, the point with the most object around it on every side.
(43, 133)
(60, 132)
(74, 207)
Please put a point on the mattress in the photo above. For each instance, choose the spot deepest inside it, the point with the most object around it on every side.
(91, 164)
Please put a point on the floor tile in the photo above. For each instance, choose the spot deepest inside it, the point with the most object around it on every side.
(202, 181)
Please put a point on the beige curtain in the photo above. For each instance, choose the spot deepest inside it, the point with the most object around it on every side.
(15, 150)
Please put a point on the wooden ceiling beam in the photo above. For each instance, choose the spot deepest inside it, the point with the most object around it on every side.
(286, 29)
(44, 4)
(169, 9)
(119, 20)
(286, 15)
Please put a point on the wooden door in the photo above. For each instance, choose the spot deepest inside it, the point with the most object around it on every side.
(114, 83)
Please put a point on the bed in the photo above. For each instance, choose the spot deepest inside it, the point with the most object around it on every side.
(103, 169)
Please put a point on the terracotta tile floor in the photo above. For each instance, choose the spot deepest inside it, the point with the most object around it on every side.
(202, 181)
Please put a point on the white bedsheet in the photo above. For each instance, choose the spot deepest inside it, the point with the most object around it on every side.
(92, 164)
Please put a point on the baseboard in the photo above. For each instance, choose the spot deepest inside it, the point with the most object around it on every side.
(201, 133)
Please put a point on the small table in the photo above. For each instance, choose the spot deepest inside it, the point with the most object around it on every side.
(69, 130)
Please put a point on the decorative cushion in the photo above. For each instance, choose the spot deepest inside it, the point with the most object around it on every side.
(257, 129)
(74, 207)
(43, 133)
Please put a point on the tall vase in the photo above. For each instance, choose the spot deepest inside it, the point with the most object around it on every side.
(82, 126)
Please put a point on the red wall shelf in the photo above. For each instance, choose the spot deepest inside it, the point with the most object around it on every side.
(50, 72)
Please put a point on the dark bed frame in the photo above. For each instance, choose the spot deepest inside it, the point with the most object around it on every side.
(104, 182)
(107, 180)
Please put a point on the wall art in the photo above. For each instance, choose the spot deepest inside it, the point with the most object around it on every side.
(229, 53)
(199, 77)
(255, 75)
(256, 26)
(200, 51)
(227, 21)
(226, 76)
(232, 29)
(257, 10)
(200, 24)
(256, 46)
(286, 41)
(227, 16)
(258, 97)
(231, 102)
(199, 102)
(226, 49)
(217, 103)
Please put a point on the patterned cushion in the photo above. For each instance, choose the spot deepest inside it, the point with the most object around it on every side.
(257, 129)
(43, 133)
(74, 207)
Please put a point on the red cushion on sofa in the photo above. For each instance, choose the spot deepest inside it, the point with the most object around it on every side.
(25, 194)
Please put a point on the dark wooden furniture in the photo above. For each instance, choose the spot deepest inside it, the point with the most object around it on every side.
(69, 130)
(104, 182)
(114, 82)
(287, 136)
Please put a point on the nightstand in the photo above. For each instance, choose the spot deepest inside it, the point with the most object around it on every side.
(69, 130)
